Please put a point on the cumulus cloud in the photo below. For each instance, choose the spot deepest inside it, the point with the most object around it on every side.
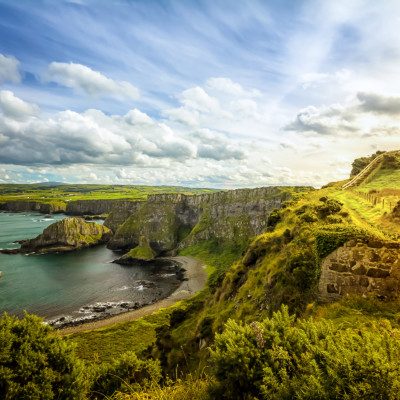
(222, 105)
(334, 120)
(379, 104)
(92, 137)
(13, 107)
(9, 69)
(93, 83)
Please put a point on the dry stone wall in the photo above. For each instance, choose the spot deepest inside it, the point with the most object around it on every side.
(361, 268)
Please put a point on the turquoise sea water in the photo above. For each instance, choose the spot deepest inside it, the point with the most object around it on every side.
(57, 285)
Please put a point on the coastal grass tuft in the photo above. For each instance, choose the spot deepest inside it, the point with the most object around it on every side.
(103, 345)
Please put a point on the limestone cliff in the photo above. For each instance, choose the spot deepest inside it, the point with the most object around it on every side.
(75, 207)
(36, 206)
(65, 235)
(93, 206)
(121, 211)
(170, 221)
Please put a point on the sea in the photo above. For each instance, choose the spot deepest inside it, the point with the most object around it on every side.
(74, 287)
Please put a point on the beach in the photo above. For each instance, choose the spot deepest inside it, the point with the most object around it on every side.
(195, 276)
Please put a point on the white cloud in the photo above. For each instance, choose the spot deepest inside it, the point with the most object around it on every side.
(93, 83)
(227, 86)
(197, 99)
(315, 79)
(9, 69)
(93, 137)
(14, 107)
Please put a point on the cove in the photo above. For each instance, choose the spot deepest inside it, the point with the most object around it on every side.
(73, 287)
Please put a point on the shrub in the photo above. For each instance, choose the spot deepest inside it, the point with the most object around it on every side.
(309, 217)
(273, 218)
(125, 374)
(281, 358)
(329, 238)
(330, 207)
(36, 363)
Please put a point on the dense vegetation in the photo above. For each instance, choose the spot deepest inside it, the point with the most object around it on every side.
(256, 331)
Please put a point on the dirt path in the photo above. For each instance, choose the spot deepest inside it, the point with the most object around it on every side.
(196, 275)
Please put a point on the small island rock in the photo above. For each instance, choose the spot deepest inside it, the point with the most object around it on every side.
(66, 235)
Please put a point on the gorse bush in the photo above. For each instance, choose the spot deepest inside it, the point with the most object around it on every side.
(125, 374)
(281, 358)
(36, 363)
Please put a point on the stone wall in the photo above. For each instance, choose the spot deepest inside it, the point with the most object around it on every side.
(361, 268)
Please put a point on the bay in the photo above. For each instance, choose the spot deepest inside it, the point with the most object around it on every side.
(75, 286)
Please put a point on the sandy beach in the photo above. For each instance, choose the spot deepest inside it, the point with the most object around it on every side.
(196, 280)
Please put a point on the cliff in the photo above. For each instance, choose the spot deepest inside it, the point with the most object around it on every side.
(120, 212)
(77, 207)
(171, 221)
(93, 207)
(65, 235)
(35, 206)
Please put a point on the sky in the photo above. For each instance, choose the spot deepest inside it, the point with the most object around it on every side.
(201, 93)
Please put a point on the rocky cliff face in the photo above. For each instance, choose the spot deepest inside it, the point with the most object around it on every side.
(121, 211)
(361, 268)
(77, 207)
(65, 235)
(36, 206)
(92, 207)
(169, 221)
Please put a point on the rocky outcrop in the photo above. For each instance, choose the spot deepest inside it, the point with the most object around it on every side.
(361, 268)
(121, 211)
(66, 235)
(169, 221)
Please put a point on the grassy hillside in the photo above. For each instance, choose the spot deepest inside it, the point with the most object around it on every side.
(371, 204)
(57, 193)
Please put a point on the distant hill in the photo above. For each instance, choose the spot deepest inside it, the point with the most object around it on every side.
(51, 183)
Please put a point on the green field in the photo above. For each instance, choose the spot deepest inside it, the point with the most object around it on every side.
(57, 193)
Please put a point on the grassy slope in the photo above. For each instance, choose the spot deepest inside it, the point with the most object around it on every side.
(371, 203)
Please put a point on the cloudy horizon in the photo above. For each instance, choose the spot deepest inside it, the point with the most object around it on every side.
(215, 94)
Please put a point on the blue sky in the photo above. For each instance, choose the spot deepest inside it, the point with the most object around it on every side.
(201, 93)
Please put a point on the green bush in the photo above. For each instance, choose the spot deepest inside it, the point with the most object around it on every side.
(36, 363)
(281, 358)
(329, 207)
(328, 239)
(125, 374)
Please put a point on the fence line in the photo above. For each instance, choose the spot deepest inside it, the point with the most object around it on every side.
(378, 201)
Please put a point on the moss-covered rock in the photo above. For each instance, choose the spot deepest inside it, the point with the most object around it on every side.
(67, 234)
(141, 252)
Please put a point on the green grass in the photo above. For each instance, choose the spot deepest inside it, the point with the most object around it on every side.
(62, 193)
(103, 345)
(356, 312)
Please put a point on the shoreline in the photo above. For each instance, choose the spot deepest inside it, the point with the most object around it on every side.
(195, 276)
